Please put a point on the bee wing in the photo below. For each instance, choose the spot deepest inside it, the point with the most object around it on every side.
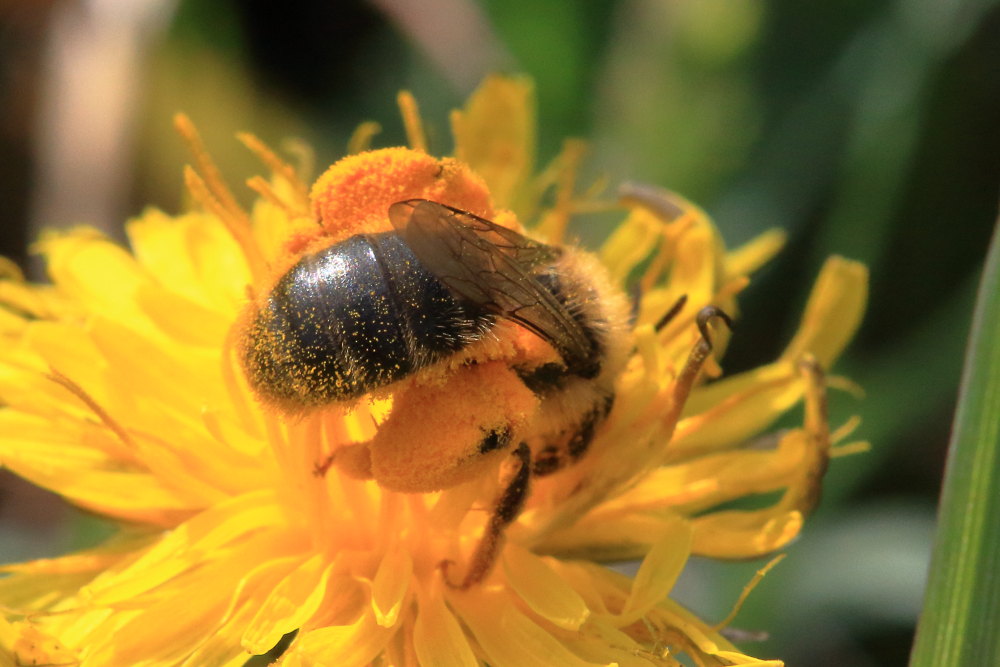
(489, 265)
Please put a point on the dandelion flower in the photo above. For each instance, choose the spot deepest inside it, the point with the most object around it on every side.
(123, 390)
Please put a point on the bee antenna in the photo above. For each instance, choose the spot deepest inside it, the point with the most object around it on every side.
(671, 314)
(635, 298)
(705, 315)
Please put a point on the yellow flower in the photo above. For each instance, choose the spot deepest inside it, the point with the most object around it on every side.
(122, 391)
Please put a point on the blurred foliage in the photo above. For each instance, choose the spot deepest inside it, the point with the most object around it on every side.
(959, 623)
(863, 128)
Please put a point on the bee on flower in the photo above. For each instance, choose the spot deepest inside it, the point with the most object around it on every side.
(396, 417)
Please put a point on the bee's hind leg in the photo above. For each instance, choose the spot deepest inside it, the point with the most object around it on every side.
(507, 508)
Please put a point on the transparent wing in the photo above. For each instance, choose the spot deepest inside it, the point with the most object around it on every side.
(490, 266)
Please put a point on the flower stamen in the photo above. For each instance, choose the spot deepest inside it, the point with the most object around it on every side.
(207, 167)
(412, 122)
(279, 168)
(260, 185)
(557, 220)
(202, 193)
(361, 138)
(850, 449)
(120, 433)
(207, 187)
(752, 584)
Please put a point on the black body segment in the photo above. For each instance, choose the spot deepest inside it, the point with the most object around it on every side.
(351, 318)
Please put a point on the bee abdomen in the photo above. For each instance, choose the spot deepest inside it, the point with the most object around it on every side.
(351, 318)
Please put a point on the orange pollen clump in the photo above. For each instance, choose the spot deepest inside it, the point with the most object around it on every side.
(353, 195)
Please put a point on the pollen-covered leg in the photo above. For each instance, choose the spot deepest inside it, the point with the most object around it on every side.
(507, 508)
(448, 430)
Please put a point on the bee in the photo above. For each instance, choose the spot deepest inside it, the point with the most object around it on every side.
(508, 345)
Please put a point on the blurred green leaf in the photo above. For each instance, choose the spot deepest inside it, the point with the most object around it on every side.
(962, 606)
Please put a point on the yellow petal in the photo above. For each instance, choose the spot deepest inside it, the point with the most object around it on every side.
(192, 255)
(744, 534)
(91, 465)
(223, 646)
(30, 591)
(390, 585)
(347, 599)
(63, 347)
(832, 313)
(755, 253)
(695, 271)
(295, 599)
(508, 637)
(713, 479)
(735, 409)
(29, 300)
(187, 545)
(495, 135)
(26, 644)
(179, 382)
(12, 327)
(8, 636)
(601, 642)
(168, 629)
(183, 319)
(630, 243)
(95, 272)
(659, 570)
(696, 633)
(342, 645)
(544, 591)
(438, 639)
(88, 477)
(596, 538)
(84, 562)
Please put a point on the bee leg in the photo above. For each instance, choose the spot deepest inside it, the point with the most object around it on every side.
(354, 460)
(507, 508)
(703, 347)
(554, 457)
(688, 376)
(320, 468)
(635, 295)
